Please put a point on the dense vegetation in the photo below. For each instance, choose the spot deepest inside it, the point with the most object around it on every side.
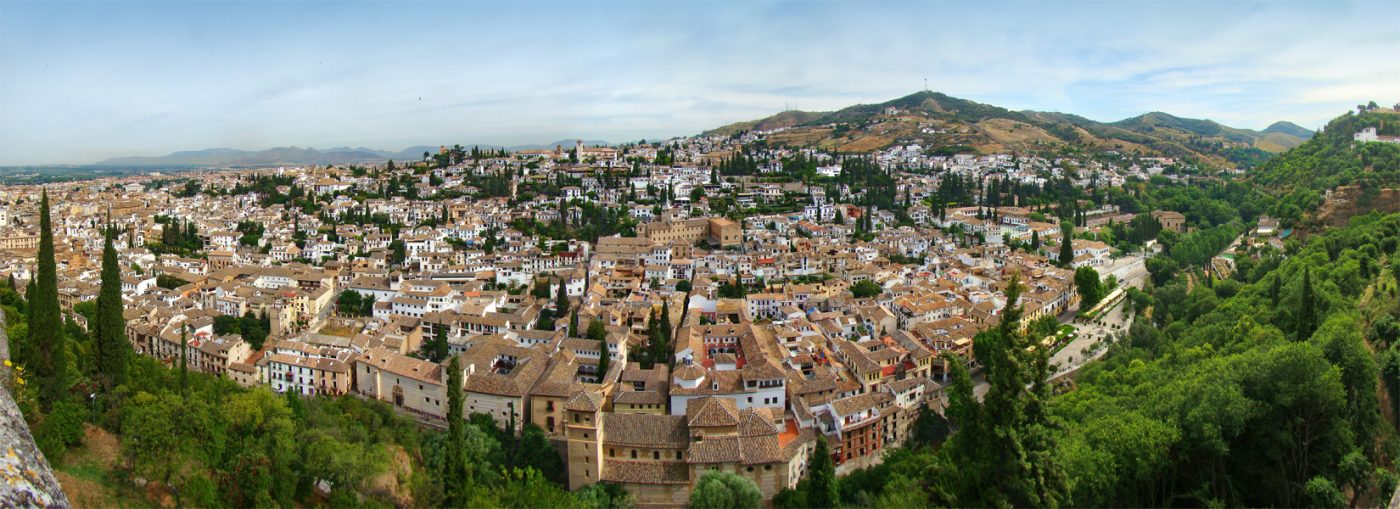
(1332, 158)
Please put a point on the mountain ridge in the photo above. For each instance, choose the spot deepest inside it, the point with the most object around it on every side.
(292, 155)
(971, 126)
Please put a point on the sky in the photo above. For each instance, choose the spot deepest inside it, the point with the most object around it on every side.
(84, 81)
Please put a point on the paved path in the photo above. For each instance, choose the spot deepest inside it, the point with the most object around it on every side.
(1130, 271)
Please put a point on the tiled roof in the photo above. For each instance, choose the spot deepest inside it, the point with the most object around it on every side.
(645, 430)
(645, 472)
(712, 411)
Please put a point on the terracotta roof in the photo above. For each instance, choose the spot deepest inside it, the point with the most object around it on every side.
(645, 430)
(713, 411)
(734, 449)
(584, 401)
(645, 472)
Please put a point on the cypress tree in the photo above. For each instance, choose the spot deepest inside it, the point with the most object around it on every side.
(455, 479)
(184, 354)
(1067, 245)
(1307, 307)
(1035, 240)
(50, 356)
(440, 345)
(573, 324)
(109, 339)
(561, 300)
(597, 332)
(1274, 288)
(822, 481)
(666, 321)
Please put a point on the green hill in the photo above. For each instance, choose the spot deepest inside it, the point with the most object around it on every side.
(985, 128)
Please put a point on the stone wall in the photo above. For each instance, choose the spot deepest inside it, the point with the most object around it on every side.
(28, 479)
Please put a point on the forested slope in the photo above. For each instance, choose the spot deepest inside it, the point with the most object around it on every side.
(1333, 158)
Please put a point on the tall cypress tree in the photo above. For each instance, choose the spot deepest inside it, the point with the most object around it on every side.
(184, 354)
(822, 489)
(50, 355)
(455, 479)
(1307, 307)
(561, 300)
(109, 339)
(573, 324)
(666, 321)
(598, 332)
(1274, 288)
(1067, 245)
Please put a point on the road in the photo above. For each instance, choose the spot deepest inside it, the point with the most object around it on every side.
(1130, 271)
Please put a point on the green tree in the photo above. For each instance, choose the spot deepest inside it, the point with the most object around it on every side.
(456, 481)
(153, 441)
(665, 322)
(536, 452)
(184, 356)
(436, 348)
(110, 346)
(1307, 307)
(1323, 494)
(822, 487)
(349, 302)
(47, 353)
(598, 332)
(1066, 245)
(725, 490)
(1004, 449)
(866, 289)
(605, 495)
(1086, 281)
(561, 300)
(397, 252)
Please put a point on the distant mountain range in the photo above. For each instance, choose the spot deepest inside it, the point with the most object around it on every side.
(939, 121)
(227, 157)
(934, 120)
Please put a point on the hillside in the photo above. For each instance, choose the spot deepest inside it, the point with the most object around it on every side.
(940, 121)
(1363, 176)
(1333, 158)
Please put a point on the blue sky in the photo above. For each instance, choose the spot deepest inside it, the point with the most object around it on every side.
(82, 81)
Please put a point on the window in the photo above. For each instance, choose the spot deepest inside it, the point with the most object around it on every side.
(656, 455)
(634, 454)
(612, 452)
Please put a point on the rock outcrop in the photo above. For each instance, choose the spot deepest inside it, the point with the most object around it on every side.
(28, 478)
